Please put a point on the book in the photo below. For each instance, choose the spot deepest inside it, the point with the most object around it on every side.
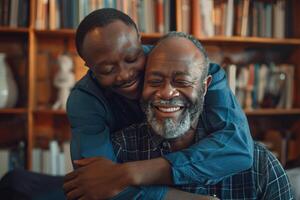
(207, 10)
(279, 19)
(54, 153)
(262, 83)
(229, 18)
(245, 15)
(231, 71)
(67, 155)
(46, 162)
(186, 16)
(37, 160)
(4, 160)
(196, 18)
(160, 16)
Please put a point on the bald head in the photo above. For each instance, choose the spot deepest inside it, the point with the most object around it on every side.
(180, 47)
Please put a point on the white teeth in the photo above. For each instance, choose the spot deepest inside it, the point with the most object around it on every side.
(169, 109)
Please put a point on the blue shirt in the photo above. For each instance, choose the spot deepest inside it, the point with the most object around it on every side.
(266, 179)
(94, 113)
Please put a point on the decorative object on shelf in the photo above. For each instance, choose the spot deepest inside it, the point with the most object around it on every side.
(64, 80)
(8, 87)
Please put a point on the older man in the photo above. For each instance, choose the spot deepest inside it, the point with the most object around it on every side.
(175, 84)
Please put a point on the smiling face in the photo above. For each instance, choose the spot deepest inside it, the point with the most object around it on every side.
(173, 93)
(115, 56)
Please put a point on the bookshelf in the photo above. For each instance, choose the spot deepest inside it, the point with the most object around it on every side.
(36, 120)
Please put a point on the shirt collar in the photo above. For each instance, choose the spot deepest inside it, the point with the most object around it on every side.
(157, 140)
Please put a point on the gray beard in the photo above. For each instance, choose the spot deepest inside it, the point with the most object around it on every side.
(168, 128)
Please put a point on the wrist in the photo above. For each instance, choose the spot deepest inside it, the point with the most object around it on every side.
(132, 173)
(149, 172)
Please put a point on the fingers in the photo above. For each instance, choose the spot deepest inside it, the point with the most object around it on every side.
(75, 194)
(70, 176)
(68, 186)
(85, 161)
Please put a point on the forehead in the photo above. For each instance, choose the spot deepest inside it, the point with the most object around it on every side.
(175, 55)
(116, 36)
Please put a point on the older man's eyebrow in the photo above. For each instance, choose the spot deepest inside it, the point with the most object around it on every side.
(154, 73)
(182, 73)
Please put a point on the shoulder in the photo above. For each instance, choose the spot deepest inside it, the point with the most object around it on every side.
(270, 175)
(265, 161)
(86, 96)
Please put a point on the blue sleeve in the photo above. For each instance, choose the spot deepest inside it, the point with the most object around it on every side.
(89, 127)
(90, 137)
(227, 149)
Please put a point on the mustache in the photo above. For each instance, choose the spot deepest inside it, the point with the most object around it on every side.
(126, 82)
(171, 102)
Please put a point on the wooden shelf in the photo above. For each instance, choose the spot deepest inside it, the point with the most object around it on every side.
(56, 33)
(272, 111)
(50, 112)
(13, 30)
(152, 37)
(250, 40)
(13, 111)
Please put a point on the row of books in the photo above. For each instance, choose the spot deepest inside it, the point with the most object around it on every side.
(150, 16)
(53, 161)
(14, 13)
(262, 86)
(234, 17)
(12, 158)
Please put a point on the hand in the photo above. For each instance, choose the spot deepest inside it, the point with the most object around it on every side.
(96, 178)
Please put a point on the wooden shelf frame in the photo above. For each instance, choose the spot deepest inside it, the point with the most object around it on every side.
(272, 112)
(50, 112)
(20, 30)
(14, 111)
(215, 39)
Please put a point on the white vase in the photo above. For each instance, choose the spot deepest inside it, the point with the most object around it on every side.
(8, 87)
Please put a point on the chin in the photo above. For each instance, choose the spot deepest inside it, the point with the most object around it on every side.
(129, 95)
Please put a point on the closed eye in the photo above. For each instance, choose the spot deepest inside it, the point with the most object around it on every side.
(154, 83)
(182, 83)
(107, 69)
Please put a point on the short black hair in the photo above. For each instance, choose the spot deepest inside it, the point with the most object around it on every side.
(99, 18)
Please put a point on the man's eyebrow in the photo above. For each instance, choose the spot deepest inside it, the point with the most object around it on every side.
(179, 73)
(154, 73)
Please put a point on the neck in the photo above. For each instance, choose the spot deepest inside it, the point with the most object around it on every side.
(184, 141)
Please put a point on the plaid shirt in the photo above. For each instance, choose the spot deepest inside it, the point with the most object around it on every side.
(266, 179)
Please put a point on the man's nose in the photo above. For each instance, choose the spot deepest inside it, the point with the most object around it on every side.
(167, 91)
(124, 73)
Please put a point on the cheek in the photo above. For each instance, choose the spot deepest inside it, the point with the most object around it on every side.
(140, 64)
(148, 93)
(106, 81)
(191, 94)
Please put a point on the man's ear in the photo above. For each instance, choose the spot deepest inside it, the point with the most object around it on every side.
(207, 82)
(140, 36)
